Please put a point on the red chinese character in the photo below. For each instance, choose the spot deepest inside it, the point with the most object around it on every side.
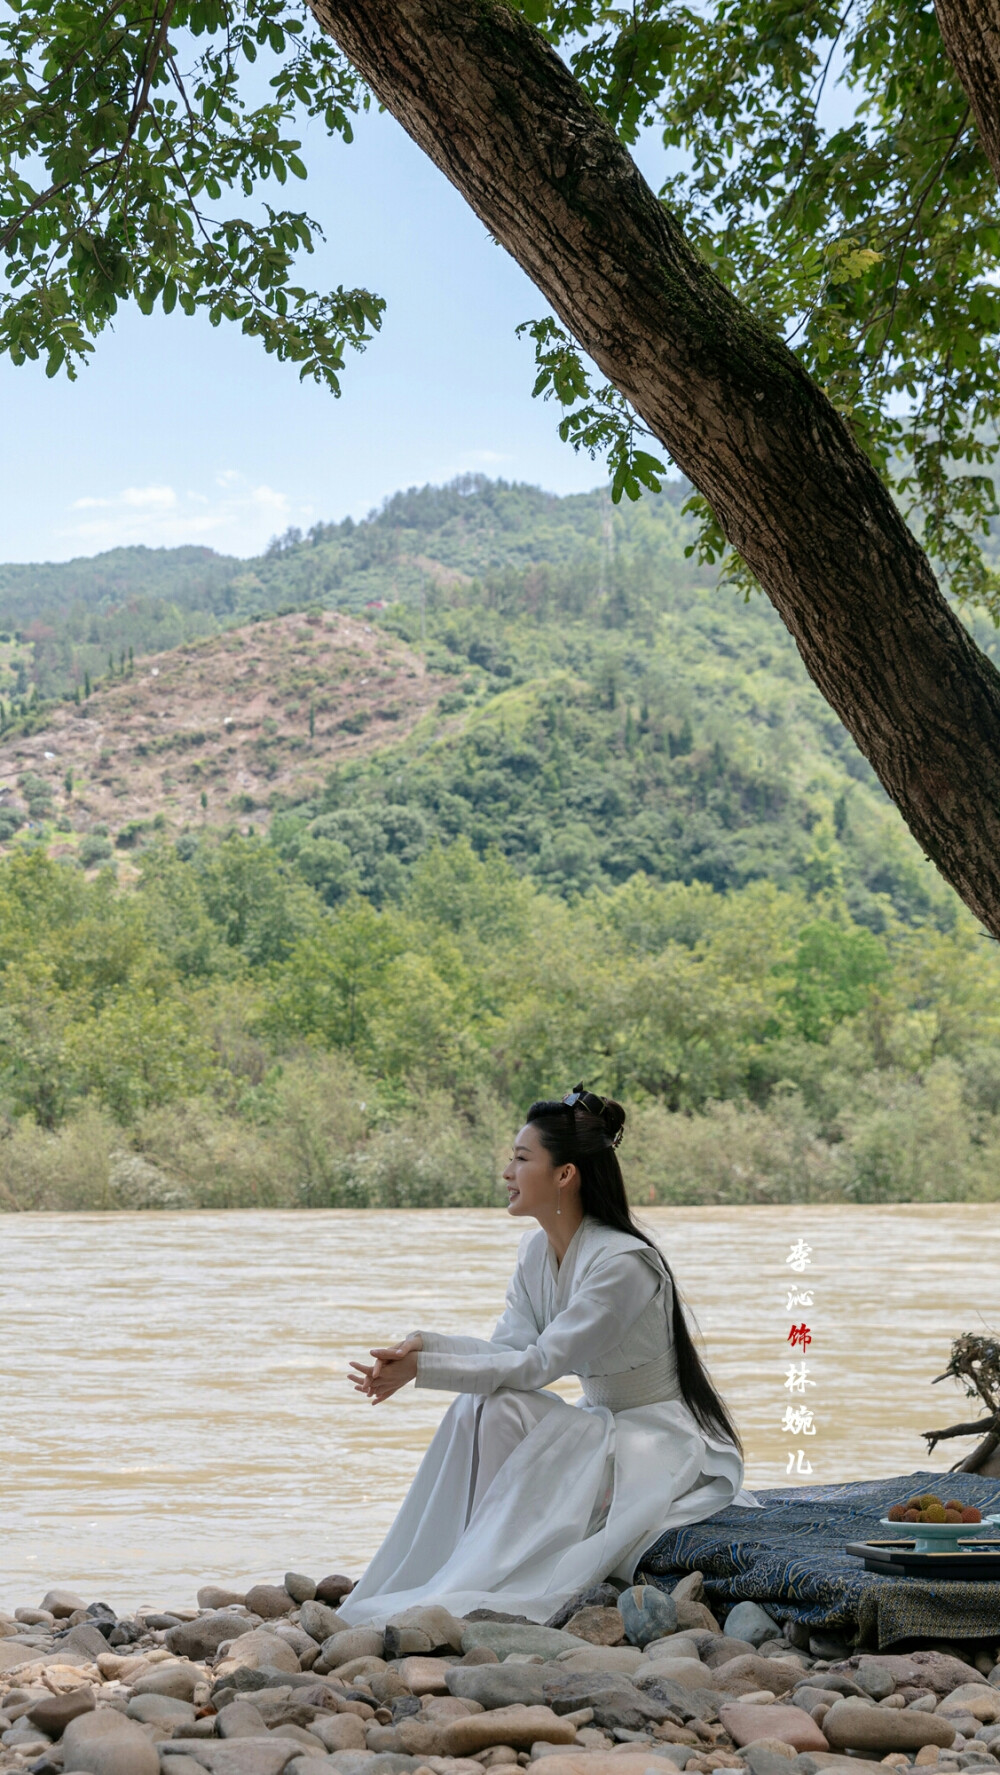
(800, 1336)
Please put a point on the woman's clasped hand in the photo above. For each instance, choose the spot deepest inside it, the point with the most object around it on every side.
(389, 1370)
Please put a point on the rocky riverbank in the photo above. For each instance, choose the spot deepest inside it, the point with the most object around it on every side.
(639, 1683)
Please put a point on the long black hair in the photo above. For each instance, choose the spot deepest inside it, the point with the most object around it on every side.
(574, 1135)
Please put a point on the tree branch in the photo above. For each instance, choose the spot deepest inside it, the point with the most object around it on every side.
(497, 111)
(44, 197)
(922, 197)
(933, 1437)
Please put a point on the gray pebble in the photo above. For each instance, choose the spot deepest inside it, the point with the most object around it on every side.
(320, 1621)
(241, 1719)
(505, 1637)
(761, 1761)
(159, 1710)
(202, 1638)
(106, 1743)
(748, 1621)
(299, 1587)
(62, 1603)
(874, 1678)
(647, 1613)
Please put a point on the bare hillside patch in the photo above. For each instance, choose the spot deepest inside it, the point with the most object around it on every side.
(223, 730)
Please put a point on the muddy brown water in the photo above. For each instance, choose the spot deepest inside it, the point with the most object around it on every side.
(175, 1408)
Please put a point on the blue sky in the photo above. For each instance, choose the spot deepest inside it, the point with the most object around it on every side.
(178, 432)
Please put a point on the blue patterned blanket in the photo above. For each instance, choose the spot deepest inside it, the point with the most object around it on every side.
(789, 1556)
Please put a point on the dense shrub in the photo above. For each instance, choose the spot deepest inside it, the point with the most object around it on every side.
(93, 849)
(224, 1037)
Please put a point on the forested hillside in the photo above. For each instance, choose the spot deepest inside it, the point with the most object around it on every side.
(75, 615)
(603, 708)
(307, 908)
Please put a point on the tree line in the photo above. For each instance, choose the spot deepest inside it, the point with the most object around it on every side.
(220, 1036)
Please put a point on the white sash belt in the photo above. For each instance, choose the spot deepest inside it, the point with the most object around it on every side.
(652, 1384)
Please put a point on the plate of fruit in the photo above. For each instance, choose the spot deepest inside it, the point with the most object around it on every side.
(937, 1525)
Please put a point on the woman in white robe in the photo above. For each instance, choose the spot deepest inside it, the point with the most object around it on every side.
(522, 1499)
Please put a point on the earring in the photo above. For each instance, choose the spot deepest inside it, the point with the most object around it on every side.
(558, 1203)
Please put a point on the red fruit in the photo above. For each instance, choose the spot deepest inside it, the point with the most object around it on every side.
(971, 1514)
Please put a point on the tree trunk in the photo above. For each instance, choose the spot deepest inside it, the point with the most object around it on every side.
(982, 1459)
(971, 34)
(493, 106)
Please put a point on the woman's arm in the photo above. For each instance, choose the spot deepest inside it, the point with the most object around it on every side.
(595, 1320)
(392, 1368)
(516, 1329)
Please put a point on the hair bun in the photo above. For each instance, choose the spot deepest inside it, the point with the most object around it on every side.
(613, 1117)
(603, 1109)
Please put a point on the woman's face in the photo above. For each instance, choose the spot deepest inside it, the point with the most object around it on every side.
(532, 1179)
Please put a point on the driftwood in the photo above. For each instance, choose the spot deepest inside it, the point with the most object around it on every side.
(975, 1361)
(977, 1429)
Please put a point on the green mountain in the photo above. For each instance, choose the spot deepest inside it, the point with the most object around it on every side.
(192, 579)
(304, 908)
(612, 709)
(668, 729)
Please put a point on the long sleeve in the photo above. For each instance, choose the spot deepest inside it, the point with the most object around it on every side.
(516, 1329)
(596, 1319)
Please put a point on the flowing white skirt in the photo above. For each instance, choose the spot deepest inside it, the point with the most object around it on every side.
(521, 1500)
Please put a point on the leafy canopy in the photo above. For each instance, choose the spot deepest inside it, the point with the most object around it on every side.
(824, 160)
(128, 135)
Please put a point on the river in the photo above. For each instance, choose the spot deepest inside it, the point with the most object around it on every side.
(175, 1409)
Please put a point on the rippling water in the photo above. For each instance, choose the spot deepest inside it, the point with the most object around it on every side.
(175, 1409)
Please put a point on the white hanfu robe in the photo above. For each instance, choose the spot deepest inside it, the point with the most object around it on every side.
(522, 1499)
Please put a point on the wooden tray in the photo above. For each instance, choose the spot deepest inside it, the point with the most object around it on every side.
(980, 1563)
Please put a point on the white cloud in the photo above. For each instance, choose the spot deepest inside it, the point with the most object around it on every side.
(232, 516)
(150, 498)
(268, 500)
(142, 498)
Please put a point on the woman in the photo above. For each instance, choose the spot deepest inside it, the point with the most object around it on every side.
(521, 1499)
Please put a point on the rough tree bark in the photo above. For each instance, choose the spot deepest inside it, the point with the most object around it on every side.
(975, 1362)
(983, 1458)
(492, 105)
(971, 33)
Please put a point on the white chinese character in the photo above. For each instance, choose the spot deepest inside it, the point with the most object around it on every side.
(795, 1379)
(798, 1421)
(799, 1466)
(798, 1297)
(800, 1256)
